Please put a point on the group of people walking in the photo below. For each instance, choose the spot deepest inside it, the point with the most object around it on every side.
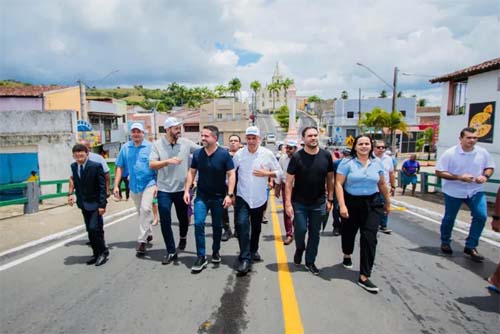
(310, 183)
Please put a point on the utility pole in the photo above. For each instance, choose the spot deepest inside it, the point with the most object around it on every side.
(394, 106)
(83, 113)
(359, 109)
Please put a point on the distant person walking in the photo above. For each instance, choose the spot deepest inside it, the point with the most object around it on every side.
(389, 177)
(254, 165)
(284, 161)
(213, 164)
(134, 156)
(89, 185)
(410, 169)
(170, 157)
(358, 186)
(464, 169)
(309, 178)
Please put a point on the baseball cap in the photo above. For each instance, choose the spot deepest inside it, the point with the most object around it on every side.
(252, 131)
(292, 142)
(137, 126)
(346, 151)
(388, 152)
(171, 121)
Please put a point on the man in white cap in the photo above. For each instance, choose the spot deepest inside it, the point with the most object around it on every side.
(134, 155)
(290, 149)
(170, 157)
(255, 164)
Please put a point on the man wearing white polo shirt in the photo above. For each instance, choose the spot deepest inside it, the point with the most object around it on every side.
(464, 169)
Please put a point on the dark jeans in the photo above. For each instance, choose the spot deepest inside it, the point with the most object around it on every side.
(127, 188)
(165, 201)
(225, 220)
(201, 207)
(384, 219)
(308, 218)
(248, 226)
(95, 229)
(366, 218)
(337, 222)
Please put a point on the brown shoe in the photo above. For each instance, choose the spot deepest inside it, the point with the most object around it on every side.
(140, 248)
(288, 240)
(149, 239)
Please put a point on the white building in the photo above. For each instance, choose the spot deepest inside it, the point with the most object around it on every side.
(470, 98)
(269, 100)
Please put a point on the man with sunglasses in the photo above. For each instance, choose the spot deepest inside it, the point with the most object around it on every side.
(389, 177)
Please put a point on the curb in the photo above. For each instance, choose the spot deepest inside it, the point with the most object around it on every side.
(62, 234)
(437, 216)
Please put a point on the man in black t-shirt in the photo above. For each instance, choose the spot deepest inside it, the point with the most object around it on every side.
(309, 171)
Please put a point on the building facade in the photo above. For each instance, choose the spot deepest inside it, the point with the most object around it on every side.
(268, 100)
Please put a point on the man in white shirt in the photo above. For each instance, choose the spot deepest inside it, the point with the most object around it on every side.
(290, 149)
(389, 177)
(464, 169)
(255, 164)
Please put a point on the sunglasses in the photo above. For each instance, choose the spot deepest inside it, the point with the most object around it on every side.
(289, 147)
(381, 147)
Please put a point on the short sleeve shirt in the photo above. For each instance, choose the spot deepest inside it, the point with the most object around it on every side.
(411, 167)
(310, 172)
(212, 170)
(136, 160)
(361, 180)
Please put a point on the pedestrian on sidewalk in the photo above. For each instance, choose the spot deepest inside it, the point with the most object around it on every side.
(169, 157)
(254, 164)
(134, 156)
(359, 185)
(89, 185)
(213, 164)
(410, 169)
(234, 146)
(389, 177)
(464, 169)
(494, 279)
(310, 171)
(290, 149)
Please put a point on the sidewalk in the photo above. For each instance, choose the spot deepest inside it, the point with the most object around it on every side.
(21, 229)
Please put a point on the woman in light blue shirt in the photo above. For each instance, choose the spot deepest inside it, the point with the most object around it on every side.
(358, 186)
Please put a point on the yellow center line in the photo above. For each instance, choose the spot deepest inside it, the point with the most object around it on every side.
(291, 313)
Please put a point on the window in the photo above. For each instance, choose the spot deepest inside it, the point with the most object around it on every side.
(457, 98)
(219, 117)
(350, 114)
(114, 124)
(237, 117)
(210, 117)
(229, 117)
(403, 112)
(350, 133)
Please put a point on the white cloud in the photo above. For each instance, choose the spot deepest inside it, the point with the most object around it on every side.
(224, 58)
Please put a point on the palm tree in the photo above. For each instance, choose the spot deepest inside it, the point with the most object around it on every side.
(375, 119)
(220, 90)
(255, 86)
(234, 86)
(344, 95)
(422, 102)
(285, 84)
(274, 88)
(383, 94)
(426, 137)
(395, 122)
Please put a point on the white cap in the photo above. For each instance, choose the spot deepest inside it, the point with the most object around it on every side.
(171, 121)
(292, 142)
(252, 131)
(388, 152)
(137, 126)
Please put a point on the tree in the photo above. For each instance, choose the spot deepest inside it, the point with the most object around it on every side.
(400, 94)
(283, 116)
(344, 95)
(426, 137)
(234, 86)
(422, 102)
(220, 90)
(255, 86)
(274, 88)
(383, 94)
(374, 120)
(395, 122)
(285, 84)
(318, 110)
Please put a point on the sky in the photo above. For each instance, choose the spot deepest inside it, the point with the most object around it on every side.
(317, 43)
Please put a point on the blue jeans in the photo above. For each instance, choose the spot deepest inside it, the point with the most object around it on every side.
(384, 218)
(308, 218)
(165, 201)
(479, 213)
(201, 207)
(248, 226)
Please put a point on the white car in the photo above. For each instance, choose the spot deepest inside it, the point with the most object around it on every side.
(270, 138)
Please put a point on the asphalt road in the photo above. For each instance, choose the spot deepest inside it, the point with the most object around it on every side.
(421, 291)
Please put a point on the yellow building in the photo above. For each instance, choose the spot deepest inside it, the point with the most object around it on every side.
(63, 99)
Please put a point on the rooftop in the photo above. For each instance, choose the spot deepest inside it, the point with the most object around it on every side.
(28, 91)
(486, 66)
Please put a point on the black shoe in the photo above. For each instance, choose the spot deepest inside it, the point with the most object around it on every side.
(169, 258)
(149, 239)
(182, 244)
(297, 257)
(256, 257)
(446, 249)
(101, 259)
(265, 220)
(385, 230)
(106, 251)
(226, 235)
(368, 285)
(312, 268)
(347, 262)
(92, 260)
(336, 231)
(88, 243)
(216, 257)
(244, 267)
(200, 264)
(474, 255)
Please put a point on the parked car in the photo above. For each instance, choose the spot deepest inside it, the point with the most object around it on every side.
(271, 138)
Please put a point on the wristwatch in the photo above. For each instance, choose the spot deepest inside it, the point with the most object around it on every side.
(495, 217)
(230, 195)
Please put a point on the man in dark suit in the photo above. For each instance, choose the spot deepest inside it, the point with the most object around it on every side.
(89, 185)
